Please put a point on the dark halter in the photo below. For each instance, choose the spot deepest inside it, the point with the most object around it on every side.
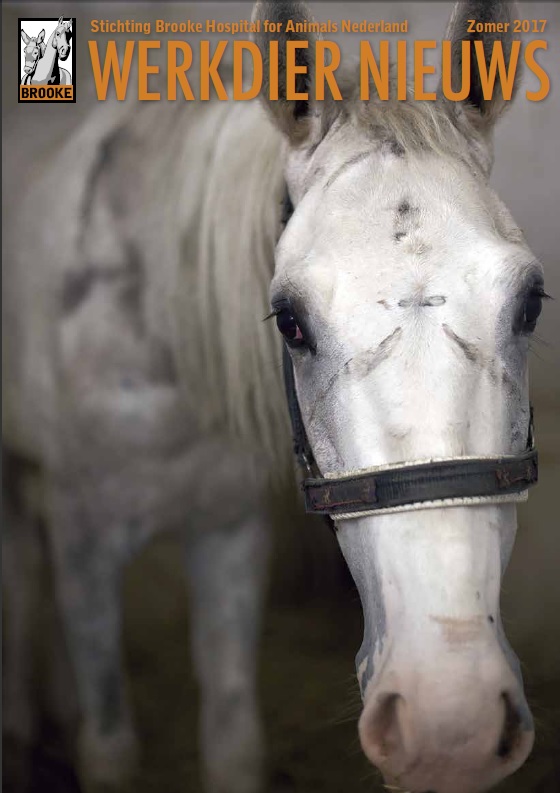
(457, 481)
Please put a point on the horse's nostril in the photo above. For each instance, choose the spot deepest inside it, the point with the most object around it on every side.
(386, 727)
(512, 729)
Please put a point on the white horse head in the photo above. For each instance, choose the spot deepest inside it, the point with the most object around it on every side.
(33, 51)
(407, 296)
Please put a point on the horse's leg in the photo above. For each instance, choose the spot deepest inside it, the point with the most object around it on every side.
(19, 703)
(227, 571)
(59, 697)
(88, 561)
(22, 597)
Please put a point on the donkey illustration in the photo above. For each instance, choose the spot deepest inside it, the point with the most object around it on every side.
(149, 391)
(33, 52)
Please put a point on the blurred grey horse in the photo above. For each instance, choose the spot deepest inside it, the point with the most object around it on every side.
(129, 299)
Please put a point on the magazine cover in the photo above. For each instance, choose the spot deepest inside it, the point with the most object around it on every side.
(280, 397)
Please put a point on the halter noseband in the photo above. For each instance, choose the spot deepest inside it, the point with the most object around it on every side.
(406, 486)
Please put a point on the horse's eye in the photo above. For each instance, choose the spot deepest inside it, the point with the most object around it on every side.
(287, 325)
(289, 328)
(532, 308)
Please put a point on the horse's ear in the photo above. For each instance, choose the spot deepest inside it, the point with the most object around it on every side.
(26, 39)
(496, 16)
(41, 37)
(60, 21)
(293, 116)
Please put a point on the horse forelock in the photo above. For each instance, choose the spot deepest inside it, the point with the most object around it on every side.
(410, 125)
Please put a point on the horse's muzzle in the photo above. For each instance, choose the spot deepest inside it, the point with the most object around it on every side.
(461, 730)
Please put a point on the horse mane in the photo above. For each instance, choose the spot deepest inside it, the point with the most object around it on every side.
(237, 360)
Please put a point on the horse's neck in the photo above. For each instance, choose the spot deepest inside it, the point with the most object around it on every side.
(47, 64)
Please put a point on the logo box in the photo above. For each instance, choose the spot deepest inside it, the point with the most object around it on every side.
(47, 59)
